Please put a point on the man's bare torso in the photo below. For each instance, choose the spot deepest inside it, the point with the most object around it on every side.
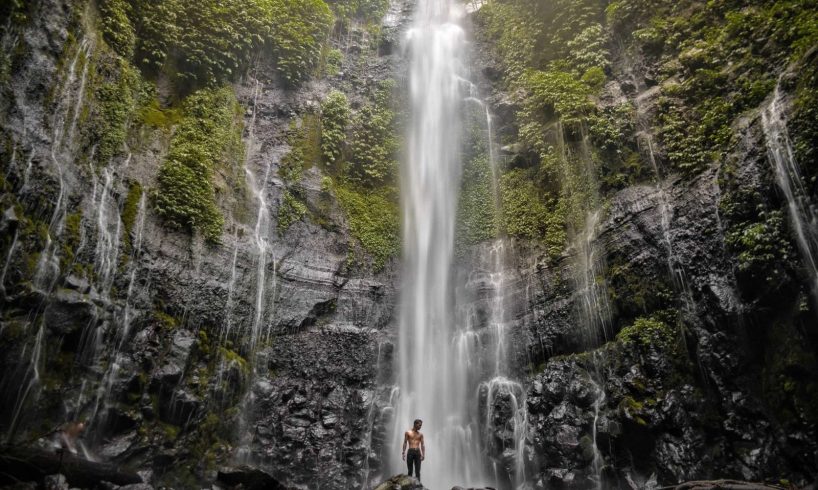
(415, 439)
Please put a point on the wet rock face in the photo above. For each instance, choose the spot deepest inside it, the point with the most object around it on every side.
(319, 409)
(634, 412)
(703, 409)
(149, 360)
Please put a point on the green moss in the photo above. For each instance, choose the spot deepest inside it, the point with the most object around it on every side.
(290, 210)
(477, 218)
(206, 140)
(526, 215)
(130, 208)
(635, 293)
(372, 219)
(71, 239)
(166, 321)
(304, 137)
(170, 432)
(231, 357)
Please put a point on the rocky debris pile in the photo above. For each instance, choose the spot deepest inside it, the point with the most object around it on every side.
(50, 470)
(400, 482)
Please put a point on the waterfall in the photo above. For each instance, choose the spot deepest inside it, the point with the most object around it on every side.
(48, 266)
(432, 386)
(106, 254)
(261, 235)
(803, 213)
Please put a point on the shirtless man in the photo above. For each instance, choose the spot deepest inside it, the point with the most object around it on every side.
(417, 448)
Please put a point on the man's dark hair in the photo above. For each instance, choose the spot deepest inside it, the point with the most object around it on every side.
(418, 420)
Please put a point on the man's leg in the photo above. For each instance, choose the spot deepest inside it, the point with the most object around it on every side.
(417, 466)
(409, 459)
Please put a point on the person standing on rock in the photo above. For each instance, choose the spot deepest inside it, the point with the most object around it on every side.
(417, 448)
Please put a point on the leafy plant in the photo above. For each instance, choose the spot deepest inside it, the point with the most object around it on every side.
(208, 137)
(335, 115)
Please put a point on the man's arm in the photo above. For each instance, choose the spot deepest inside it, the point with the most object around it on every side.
(422, 448)
(405, 441)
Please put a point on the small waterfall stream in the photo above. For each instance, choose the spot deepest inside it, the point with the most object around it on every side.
(803, 213)
(261, 235)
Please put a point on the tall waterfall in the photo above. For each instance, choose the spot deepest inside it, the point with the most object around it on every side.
(432, 386)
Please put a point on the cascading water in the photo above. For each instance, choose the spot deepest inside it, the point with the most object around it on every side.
(106, 254)
(803, 213)
(136, 252)
(48, 266)
(432, 387)
(261, 236)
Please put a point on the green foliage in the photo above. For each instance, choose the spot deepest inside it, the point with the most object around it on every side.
(803, 124)
(761, 246)
(526, 215)
(513, 33)
(723, 60)
(217, 38)
(130, 208)
(157, 30)
(117, 29)
(373, 219)
(116, 90)
(375, 143)
(333, 61)
(634, 292)
(298, 30)
(594, 78)
(477, 219)
(206, 139)
(533, 34)
(587, 50)
(613, 127)
(649, 332)
(335, 114)
(71, 239)
(206, 42)
(290, 210)
(364, 10)
(556, 93)
(305, 148)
